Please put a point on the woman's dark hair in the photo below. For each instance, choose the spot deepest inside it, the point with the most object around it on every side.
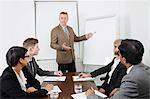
(132, 50)
(14, 54)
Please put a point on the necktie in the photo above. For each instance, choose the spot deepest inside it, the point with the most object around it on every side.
(66, 31)
(32, 67)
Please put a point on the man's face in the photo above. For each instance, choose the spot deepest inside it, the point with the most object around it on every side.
(122, 59)
(63, 18)
(34, 50)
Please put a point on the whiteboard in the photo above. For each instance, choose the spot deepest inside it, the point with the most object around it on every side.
(47, 17)
(100, 46)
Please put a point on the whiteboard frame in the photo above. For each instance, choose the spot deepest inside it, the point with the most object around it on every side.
(117, 36)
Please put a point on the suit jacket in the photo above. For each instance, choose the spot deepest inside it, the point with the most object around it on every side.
(116, 77)
(10, 86)
(136, 84)
(38, 70)
(58, 37)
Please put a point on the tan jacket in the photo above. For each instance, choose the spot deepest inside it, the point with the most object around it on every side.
(58, 37)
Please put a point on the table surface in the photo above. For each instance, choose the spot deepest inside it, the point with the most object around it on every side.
(67, 86)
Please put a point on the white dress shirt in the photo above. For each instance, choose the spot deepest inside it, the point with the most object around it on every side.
(21, 78)
(116, 62)
(129, 69)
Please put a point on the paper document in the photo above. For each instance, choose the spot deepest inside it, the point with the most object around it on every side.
(83, 96)
(55, 78)
(40, 78)
(100, 94)
(55, 89)
(77, 78)
(79, 96)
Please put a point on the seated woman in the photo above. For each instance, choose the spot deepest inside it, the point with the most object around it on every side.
(16, 83)
(115, 71)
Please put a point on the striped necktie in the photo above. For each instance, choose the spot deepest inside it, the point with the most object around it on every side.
(66, 31)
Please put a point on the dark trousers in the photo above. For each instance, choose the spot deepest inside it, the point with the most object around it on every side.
(107, 87)
(67, 67)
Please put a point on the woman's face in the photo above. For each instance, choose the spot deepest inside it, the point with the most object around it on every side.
(25, 60)
(115, 49)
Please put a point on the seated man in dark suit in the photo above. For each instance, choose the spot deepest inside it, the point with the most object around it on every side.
(136, 84)
(31, 44)
(16, 83)
(115, 71)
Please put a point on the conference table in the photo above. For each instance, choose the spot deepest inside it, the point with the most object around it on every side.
(67, 86)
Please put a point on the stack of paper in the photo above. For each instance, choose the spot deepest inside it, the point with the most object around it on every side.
(100, 94)
(79, 96)
(77, 78)
(55, 89)
(55, 78)
(83, 96)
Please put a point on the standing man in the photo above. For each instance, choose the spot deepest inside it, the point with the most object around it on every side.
(62, 39)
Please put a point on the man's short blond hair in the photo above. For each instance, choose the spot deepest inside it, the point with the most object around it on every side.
(30, 42)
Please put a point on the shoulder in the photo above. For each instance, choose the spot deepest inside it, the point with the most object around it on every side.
(7, 74)
(69, 27)
(141, 71)
(55, 28)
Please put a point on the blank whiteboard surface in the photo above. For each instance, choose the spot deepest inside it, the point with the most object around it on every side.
(100, 46)
(47, 17)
